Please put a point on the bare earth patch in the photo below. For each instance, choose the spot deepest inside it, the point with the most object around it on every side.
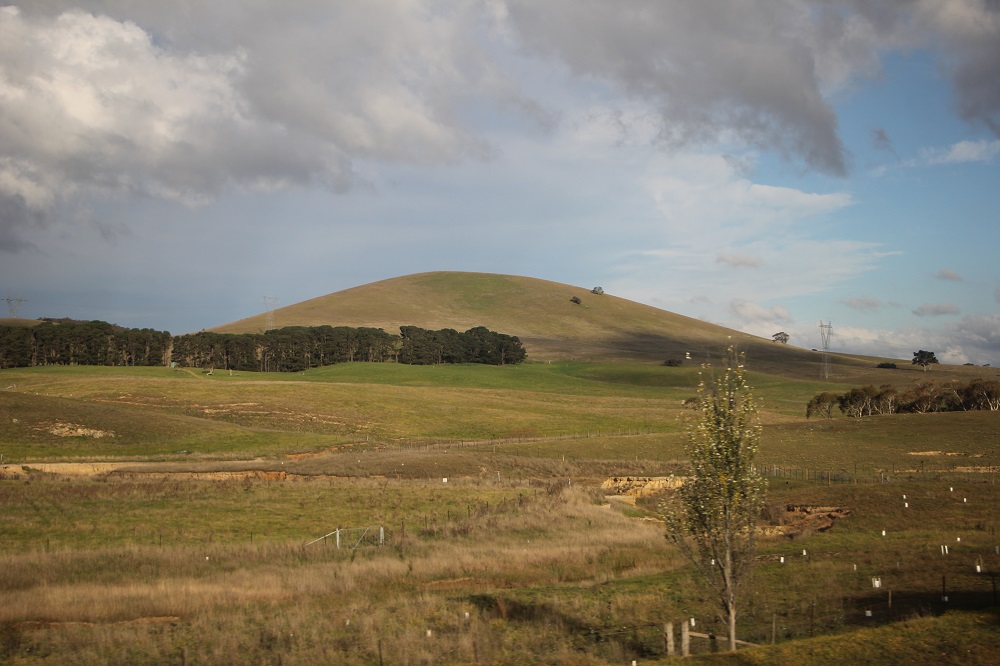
(73, 430)
(640, 486)
(803, 519)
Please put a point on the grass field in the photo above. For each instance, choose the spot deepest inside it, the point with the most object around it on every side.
(189, 545)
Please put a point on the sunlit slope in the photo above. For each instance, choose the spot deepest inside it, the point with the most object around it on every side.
(541, 313)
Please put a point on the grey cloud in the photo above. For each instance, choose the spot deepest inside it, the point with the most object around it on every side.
(936, 309)
(15, 217)
(948, 275)
(712, 69)
(881, 141)
(199, 96)
(979, 337)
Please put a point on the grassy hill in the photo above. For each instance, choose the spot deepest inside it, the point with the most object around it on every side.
(551, 326)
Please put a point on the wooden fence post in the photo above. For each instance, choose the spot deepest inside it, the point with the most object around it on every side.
(668, 636)
(685, 640)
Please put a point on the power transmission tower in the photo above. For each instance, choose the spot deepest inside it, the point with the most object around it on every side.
(825, 331)
(14, 305)
(270, 303)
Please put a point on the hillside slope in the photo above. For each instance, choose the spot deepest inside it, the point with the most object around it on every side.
(540, 312)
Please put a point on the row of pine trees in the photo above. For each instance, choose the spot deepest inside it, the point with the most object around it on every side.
(289, 349)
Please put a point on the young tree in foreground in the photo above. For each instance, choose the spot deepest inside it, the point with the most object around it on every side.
(714, 522)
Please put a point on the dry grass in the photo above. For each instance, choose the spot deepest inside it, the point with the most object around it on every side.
(316, 604)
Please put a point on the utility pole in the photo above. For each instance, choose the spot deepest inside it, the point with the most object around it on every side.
(14, 305)
(825, 331)
(270, 303)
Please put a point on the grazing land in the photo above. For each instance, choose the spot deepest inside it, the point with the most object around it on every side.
(171, 516)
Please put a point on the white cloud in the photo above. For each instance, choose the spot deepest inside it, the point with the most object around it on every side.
(753, 317)
(93, 102)
(961, 152)
(711, 214)
(970, 340)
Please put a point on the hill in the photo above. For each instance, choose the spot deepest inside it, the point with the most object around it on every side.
(541, 313)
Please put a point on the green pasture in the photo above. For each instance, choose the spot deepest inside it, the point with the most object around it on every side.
(44, 512)
(567, 410)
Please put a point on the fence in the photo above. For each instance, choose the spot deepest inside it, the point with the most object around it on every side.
(878, 474)
(352, 538)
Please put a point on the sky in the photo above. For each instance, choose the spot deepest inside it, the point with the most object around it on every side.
(766, 165)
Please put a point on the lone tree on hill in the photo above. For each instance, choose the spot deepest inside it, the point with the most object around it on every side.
(781, 337)
(714, 518)
(924, 358)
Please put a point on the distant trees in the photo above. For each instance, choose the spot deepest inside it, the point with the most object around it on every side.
(920, 398)
(575, 299)
(781, 337)
(289, 349)
(821, 405)
(71, 342)
(296, 348)
(924, 358)
(597, 290)
(477, 345)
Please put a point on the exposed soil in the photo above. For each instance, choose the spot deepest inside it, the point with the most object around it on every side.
(73, 430)
(640, 486)
(803, 519)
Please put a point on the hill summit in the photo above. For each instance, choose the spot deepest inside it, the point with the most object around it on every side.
(554, 321)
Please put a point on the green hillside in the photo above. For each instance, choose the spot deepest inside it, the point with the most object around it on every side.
(551, 326)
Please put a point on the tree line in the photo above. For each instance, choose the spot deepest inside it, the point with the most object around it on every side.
(923, 397)
(70, 342)
(477, 345)
(289, 349)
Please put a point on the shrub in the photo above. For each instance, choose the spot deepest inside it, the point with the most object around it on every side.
(890, 366)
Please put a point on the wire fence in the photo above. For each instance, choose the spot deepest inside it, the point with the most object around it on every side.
(352, 538)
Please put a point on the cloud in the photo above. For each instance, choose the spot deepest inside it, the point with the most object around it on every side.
(961, 152)
(881, 141)
(752, 76)
(968, 34)
(973, 339)
(738, 260)
(750, 313)
(936, 309)
(948, 275)
(979, 338)
(866, 304)
(171, 108)
(16, 216)
(708, 214)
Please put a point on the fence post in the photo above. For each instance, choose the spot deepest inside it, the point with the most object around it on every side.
(685, 640)
(337, 532)
(668, 636)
